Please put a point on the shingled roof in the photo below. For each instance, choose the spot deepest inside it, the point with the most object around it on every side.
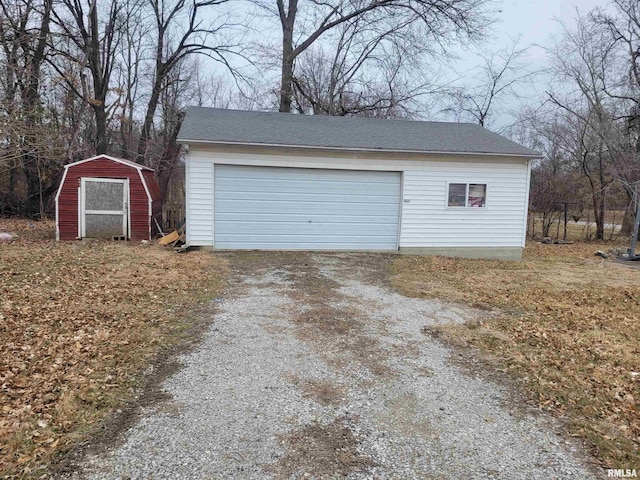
(236, 127)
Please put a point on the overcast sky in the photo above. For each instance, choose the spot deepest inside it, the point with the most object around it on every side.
(536, 23)
(535, 20)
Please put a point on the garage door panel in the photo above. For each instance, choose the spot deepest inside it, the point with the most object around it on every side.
(307, 208)
(295, 208)
(312, 179)
(288, 186)
(301, 174)
(275, 242)
(304, 217)
(304, 229)
(308, 197)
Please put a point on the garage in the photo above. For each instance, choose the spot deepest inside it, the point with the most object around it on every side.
(279, 181)
(305, 208)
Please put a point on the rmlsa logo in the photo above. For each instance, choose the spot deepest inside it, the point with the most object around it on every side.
(622, 473)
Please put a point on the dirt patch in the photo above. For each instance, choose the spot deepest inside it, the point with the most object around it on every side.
(321, 451)
(325, 392)
(424, 372)
(404, 415)
(329, 322)
(563, 326)
(257, 262)
(369, 268)
(373, 268)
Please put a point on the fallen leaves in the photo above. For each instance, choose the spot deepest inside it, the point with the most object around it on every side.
(566, 325)
(78, 321)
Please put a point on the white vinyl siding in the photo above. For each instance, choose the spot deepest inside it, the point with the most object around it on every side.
(315, 209)
(426, 221)
(199, 201)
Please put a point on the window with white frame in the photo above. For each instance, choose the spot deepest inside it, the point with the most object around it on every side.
(473, 195)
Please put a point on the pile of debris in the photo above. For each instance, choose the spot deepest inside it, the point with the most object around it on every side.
(619, 253)
(176, 239)
(551, 241)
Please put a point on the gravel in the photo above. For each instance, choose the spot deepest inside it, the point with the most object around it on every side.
(267, 395)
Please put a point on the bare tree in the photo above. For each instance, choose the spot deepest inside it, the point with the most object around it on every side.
(554, 177)
(304, 23)
(176, 40)
(584, 64)
(548, 188)
(96, 40)
(24, 32)
(623, 85)
(205, 87)
(362, 71)
(494, 81)
(109, 70)
(623, 28)
(172, 112)
(129, 68)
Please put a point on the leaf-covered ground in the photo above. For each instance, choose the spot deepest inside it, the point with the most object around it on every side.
(78, 322)
(566, 324)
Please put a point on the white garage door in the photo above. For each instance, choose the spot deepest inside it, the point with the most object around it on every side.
(299, 208)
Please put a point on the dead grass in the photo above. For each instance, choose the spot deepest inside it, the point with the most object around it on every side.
(579, 232)
(78, 322)
(567, 327)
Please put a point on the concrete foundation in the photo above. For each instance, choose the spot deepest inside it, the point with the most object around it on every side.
(484, 253)
(488, 253)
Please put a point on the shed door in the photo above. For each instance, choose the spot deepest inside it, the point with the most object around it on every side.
(301, 208)
(104, 207)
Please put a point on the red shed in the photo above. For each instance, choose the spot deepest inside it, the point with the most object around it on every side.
(106, 197)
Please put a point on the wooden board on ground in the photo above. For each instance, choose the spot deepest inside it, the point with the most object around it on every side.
(170, 238)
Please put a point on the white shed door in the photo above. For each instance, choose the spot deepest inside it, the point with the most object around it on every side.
(299, 208)
(103, 203)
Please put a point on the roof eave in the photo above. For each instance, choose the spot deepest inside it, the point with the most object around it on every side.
(354, 149)
(113, 159)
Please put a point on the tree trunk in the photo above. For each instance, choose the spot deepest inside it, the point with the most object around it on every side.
(102, 141)
(100, 78)
(29, 159)
(286, 81)
(627, 222)
(162, 69)
(287, 21)
(33, 119)
(145, 134)
(170, 156)
(13, 173)
(547, 223)
(598, 215)
(629, 217)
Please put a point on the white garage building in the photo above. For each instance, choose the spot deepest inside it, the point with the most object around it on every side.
(274, 181)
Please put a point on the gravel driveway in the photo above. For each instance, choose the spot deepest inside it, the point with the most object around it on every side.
(314, 368)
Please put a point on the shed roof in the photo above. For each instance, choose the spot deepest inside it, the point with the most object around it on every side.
(113, 159)
(237, 127)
